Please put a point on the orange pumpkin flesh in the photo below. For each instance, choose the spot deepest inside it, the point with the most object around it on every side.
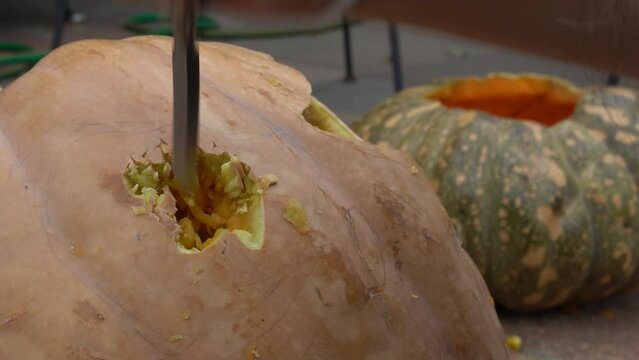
(542, 100)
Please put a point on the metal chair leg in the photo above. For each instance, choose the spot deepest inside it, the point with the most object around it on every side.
(398, 79)
(348, 51)
(61, 7)
(613, 79)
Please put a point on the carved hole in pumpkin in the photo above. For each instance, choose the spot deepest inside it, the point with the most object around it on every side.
(534, 98)
(322, 118)
(228, 199)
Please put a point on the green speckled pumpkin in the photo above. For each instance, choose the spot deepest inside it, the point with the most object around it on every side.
(540, 177)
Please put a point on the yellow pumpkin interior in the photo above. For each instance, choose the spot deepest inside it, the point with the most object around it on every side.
(543, 100)
(228, 199)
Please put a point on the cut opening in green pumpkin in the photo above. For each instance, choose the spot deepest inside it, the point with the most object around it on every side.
(539, 99)
(228, 199)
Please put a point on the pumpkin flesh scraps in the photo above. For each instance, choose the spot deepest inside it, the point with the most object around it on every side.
(228, 199)
(542, 100)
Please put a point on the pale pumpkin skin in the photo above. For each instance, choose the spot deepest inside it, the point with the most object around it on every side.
(548, 213)
(380, 275)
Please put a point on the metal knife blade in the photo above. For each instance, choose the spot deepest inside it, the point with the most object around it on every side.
(186, 92)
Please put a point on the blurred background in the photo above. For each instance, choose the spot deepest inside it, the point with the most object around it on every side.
(316, 48)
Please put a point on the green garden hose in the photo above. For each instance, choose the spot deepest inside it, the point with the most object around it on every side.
(20, 58)
(209, 29)
(150, 23)
(268, 34)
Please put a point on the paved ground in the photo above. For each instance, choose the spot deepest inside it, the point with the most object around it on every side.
(608, 330)
(604, 331)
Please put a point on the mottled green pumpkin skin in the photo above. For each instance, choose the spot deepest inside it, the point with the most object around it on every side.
(548, 213)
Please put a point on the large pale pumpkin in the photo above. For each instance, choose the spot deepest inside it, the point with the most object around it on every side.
(539, 176)
(292, 251)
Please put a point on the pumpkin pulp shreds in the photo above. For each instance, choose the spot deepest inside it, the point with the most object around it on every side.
(514, 342)
(253, 354)
(229, 199)
(296, 215)
(268, 181)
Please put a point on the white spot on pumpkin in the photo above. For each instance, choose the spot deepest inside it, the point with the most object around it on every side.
(534, 257)
(627, 93)
(612, 159)
(598, 135)
(393, 121)
(547, 275)
(622, 250)
(537, 131)
(518, 202)
(466, 118)
(547, 217)
(548, 152)
(507, 187)
(596, 197)
(555, 173)
(626, 138)
(616, 201)
(521, 170)
(483, 153)
(422, 109)
(608, 115)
